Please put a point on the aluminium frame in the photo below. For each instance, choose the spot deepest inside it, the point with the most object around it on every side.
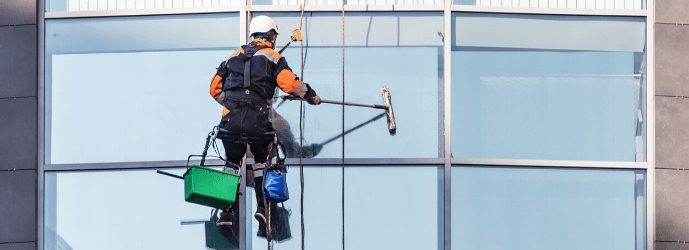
(446, 161)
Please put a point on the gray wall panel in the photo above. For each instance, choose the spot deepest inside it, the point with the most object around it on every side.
(19, 246)
(671, 246)
(672, 212)
(672, 59)
(18, 64)
(18, 134)
(14, 12)
(672, 11)
(18, 206)
(672, 132)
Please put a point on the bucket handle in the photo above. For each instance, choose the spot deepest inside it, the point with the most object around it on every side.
(169, 174)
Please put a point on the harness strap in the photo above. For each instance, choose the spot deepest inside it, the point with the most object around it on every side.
(247, 73)
(249, 52)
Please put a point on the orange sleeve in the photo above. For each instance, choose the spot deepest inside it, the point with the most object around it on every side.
(289, 83)
(216, 89)
(216, 86)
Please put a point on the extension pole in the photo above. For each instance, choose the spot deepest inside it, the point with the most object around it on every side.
(375, 106)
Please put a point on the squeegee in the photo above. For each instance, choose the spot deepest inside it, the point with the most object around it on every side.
(387, 106)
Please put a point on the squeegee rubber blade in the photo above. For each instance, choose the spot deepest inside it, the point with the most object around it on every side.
(387, 101)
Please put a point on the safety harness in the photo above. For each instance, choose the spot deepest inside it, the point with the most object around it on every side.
(249, 52)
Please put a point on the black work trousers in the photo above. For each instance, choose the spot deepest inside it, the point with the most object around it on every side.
(235, 152)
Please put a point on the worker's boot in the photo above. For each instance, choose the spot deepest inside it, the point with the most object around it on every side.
(225, 219)
(260, 214)
(226, 216)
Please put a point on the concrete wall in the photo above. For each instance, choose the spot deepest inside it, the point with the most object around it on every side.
(18, 124)
(672, 123)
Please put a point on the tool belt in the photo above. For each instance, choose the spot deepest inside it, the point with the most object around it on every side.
(249, 113)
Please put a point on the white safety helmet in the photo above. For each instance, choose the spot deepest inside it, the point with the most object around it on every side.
(262, 24)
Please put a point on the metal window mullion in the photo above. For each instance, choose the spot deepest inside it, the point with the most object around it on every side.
(548, 11)
(244, 236)
(650, 127)
(447, 168)
(550, 163)
(366, 162)
(141, 12)
(357, 8)
(40, 133)
(216, 162)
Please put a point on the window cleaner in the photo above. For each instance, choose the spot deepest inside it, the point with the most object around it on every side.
(235, 95)
(243, 84)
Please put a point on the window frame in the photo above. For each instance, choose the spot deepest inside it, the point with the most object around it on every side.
(446, 160)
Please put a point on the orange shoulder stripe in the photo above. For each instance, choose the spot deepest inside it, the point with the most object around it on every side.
(236, 52)
(272, 52)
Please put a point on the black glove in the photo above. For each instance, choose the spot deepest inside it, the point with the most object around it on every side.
(311, 96)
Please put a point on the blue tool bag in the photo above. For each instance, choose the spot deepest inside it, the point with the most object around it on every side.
(275, 186)
(275, 180)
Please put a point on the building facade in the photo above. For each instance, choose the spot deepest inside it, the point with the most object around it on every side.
(522, 124)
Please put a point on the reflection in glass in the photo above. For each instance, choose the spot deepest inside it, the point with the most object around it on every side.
(383, 205)
(152, 75)
(401, 50)
(85, 5)
(572, 4)
(347, 2)
(522, 208)
(133, 209)
(560, 88)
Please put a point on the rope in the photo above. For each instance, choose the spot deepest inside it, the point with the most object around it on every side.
(269, 235)
(343, 125)
(301, 132)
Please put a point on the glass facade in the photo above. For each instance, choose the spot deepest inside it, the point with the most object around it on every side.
(546, 126)
(547, 87)
(152, 76)
(400, 50)
(133, 209)
(94, 5)
(375, 208)
(347, 2)
(570, 4)
(537, 208)
(139, 209)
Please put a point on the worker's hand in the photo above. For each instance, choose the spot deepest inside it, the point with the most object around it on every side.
(311, 96)
(314, 100)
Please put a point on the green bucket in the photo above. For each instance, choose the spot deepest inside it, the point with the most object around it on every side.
(210, 187)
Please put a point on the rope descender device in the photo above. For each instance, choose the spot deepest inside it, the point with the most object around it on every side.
(295, 37)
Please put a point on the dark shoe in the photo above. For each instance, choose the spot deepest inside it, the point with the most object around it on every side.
(261, 234)
(260, 216)
(225, 219)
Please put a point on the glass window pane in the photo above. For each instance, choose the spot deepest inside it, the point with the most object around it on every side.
(83, 5)
(347, 2)
(400, 50)
(139, 209)
(546, 87)
(133, 209)
(133, 88)
(572, 4)
(379, 214)
(522, 208)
